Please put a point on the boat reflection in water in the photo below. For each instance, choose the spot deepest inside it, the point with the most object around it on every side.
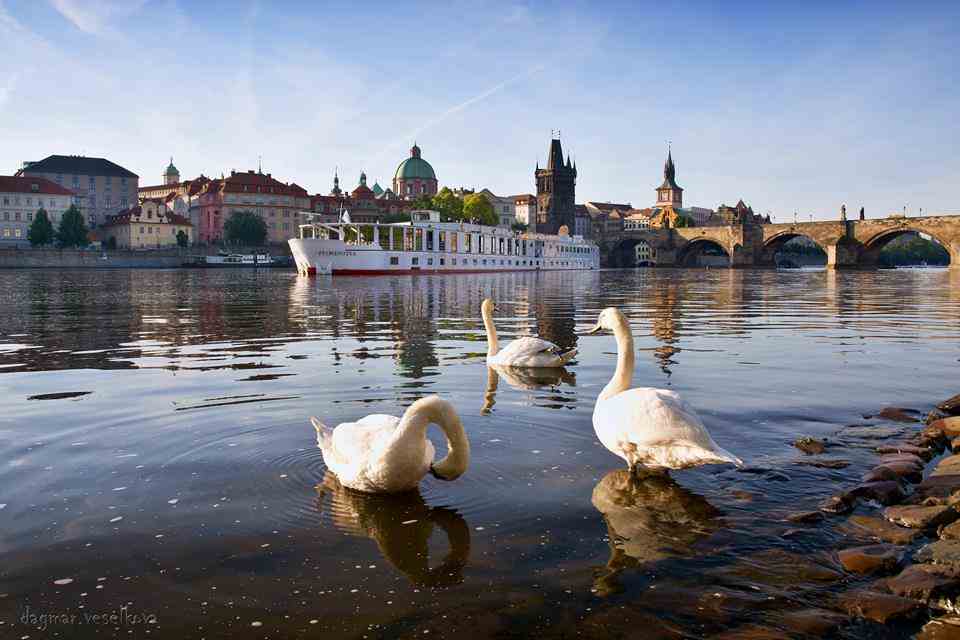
(648, 519)
(401, 525)
(523, 378)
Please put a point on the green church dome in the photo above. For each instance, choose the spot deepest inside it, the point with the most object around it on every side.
(172, 170)
(414, 167)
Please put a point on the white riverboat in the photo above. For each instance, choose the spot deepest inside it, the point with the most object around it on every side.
(426, 245)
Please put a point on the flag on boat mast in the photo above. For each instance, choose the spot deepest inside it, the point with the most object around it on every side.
(345, 217)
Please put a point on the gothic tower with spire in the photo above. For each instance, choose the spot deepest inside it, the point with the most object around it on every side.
(669, 193)
(556, 191)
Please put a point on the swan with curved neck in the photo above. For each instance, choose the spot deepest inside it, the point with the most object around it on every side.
(522, 352)
(651, 429)
(385, 454)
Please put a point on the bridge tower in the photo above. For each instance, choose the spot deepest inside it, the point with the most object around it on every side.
(556, 189)
(670, 193)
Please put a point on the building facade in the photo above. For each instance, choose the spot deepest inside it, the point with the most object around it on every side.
(525, 210)
(279, 204)
(183, 197)
(101, 188)
(363, 204)
(415, 177)
(149, 225)
(556, 191)
(20, 199)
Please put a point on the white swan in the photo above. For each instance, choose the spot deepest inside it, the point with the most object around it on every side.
(522, 352)
(651, 429)
(384, 454)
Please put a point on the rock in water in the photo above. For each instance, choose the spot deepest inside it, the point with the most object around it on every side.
(886, 493)
(951, 406)
(899, 414)
(875, 558)
(925, 582)
(919, 516)
(810, 446)
(879, 607)
(944, 553)
(945, 628)
(883, 530)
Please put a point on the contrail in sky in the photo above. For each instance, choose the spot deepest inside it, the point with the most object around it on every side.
(412, 135)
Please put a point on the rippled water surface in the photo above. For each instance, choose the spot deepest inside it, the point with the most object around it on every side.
(156, 454)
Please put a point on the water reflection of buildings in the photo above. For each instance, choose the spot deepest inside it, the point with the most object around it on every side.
(401, 525)
(647, 521)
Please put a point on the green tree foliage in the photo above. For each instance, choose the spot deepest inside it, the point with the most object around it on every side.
(111, 243)
(449, 206)
(423, 202)
(912, 249)
(72, 231)
(41, 230)
(478, 209)
(182, 239)
(245, 227)
(519, 227)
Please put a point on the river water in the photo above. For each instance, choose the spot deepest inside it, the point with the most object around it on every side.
(157, 463)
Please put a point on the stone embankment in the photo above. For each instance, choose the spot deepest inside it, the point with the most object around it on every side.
(913, 563)
(31, 258)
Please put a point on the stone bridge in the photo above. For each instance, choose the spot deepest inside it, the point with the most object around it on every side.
(848, 244)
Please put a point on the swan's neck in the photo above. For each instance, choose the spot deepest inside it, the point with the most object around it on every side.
(433, 410)
(492, 345)
(623, 376)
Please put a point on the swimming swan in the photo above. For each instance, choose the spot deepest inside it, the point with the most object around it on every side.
(522, 352)
(652, 429)
(384, 454)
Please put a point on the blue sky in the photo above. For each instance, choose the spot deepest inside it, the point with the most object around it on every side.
(790, 107)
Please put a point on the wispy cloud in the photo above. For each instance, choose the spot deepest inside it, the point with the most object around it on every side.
(95, 16)
(411, 135)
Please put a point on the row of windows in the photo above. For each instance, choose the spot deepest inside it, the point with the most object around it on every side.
(92, 181)
(276, 200)
(28, 201)
(415, 261)
(16, 232)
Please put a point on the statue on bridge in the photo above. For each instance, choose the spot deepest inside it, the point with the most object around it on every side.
(861, 214)
(843, 213)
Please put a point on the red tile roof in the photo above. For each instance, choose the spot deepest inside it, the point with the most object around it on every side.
(126, 217)
(253, 182)
(26, 184)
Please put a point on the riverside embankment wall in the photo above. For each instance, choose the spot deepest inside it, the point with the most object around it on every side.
(51, 258)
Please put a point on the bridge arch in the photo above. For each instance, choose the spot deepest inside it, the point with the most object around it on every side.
(778, 243)
(634, 252)
(703, 252)
(874, 245)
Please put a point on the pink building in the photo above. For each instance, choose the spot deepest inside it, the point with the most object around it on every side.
(281, 205)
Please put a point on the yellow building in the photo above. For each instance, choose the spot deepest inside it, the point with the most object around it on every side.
(152, 225)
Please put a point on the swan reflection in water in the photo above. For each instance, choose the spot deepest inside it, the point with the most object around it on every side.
(401, 525)
(648, 519)
(523, 378)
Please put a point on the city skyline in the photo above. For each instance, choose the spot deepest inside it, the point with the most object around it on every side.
(789, 110)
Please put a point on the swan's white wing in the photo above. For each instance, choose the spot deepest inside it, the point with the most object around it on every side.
(655, 427)
(354, 442)
(531, 352)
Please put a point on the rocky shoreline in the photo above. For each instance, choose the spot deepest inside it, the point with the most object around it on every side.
(913, 561)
